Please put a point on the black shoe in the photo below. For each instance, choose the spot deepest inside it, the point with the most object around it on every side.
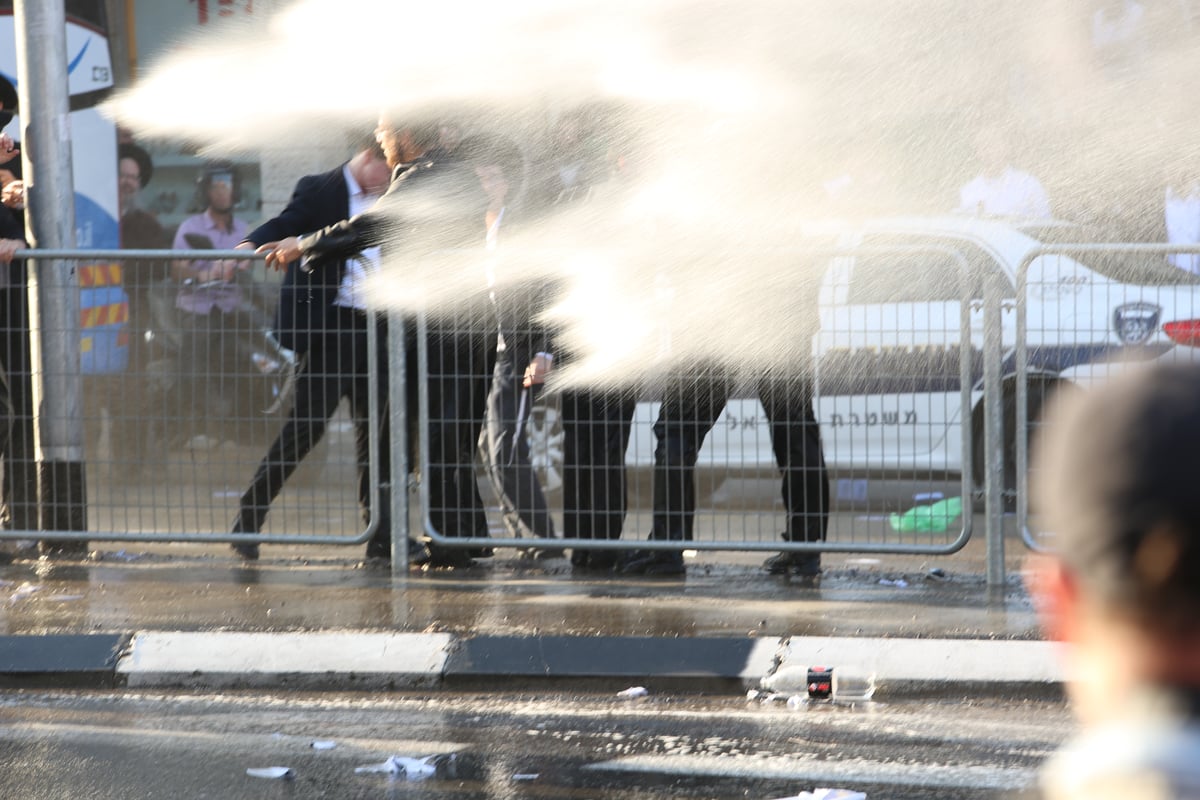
(593, 560)
(446, 558)
(543, 553)
(69, 549)
(248, 552)
(804, 565)
(418, 553)
(654, 562)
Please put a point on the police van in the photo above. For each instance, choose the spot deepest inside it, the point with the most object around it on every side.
(898, 301)
(902, 298)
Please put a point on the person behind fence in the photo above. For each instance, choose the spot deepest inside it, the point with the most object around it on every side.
(19, 484)
(323, 317)
(521, 365)
(596, 419)
(211, 303)
(690, 408)
(433, 202)
(1181, 213)
(1112, 480)
(139, 230)
(1001, 189)
(18, 492)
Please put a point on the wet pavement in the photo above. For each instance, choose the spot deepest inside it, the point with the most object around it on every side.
(497, 745)
(193, 587)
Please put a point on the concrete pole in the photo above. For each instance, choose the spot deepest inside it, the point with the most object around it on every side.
(54, 285)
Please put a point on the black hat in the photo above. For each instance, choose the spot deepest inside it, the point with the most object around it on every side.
(145, 165)
(8, 99)
(1114, 478)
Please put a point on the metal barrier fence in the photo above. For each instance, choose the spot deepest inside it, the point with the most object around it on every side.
(1085, 312)
(917, 425)
(896, 375)
(179, 409)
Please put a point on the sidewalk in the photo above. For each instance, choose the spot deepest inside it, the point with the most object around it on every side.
(316, 618)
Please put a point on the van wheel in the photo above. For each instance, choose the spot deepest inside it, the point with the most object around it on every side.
(1039, 393)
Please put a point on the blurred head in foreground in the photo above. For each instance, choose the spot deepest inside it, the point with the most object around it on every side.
(1113, 478)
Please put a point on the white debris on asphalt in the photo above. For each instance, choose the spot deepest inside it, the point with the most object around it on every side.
(415, 769)
(526, 776)
(827, 794)
(23, 592)
(632, 692)
(321, 744)
(271, 772)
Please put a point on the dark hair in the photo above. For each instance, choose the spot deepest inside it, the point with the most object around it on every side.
(1113, 476)
(145, 164)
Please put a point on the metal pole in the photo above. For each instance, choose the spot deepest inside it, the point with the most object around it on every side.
(398, 426)
(993, 434)
(41, 29)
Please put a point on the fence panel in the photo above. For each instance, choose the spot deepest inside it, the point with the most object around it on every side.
(179, 408)
(1085, 312)
(896, 370)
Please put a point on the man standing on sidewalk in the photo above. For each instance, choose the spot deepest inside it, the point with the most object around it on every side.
(1114, 480)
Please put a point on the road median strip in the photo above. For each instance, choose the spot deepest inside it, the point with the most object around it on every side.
(396, 660)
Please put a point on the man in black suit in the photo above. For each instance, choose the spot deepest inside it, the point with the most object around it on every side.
(322, 317)
(436, 202)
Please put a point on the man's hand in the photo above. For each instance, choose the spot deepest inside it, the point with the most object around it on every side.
(8, 247)
(13, 195)
(8, 149)
(539, 367)
(281, 253)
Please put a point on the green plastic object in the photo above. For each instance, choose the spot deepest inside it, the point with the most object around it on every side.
(933, 518)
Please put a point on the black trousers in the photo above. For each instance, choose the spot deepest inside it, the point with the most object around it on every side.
(462, 356)
(336, 367)
(19, 487)
(596, 426)
(689, 412)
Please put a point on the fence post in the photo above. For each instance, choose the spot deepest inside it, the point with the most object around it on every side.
(54, 287)
(398, 428)
(993, 434)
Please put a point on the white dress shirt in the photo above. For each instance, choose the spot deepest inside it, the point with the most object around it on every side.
(350, 293)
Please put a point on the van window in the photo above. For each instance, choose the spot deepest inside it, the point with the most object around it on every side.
(921, 270)
(1139, 269)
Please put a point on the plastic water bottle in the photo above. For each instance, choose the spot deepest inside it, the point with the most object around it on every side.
(822, 684)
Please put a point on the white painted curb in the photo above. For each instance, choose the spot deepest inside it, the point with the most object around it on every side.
(934, 660)
(232, 659)
(350, 660)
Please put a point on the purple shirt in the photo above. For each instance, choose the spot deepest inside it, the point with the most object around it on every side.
(227, 296)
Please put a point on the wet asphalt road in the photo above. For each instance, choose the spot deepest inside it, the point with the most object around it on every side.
(178, 746)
